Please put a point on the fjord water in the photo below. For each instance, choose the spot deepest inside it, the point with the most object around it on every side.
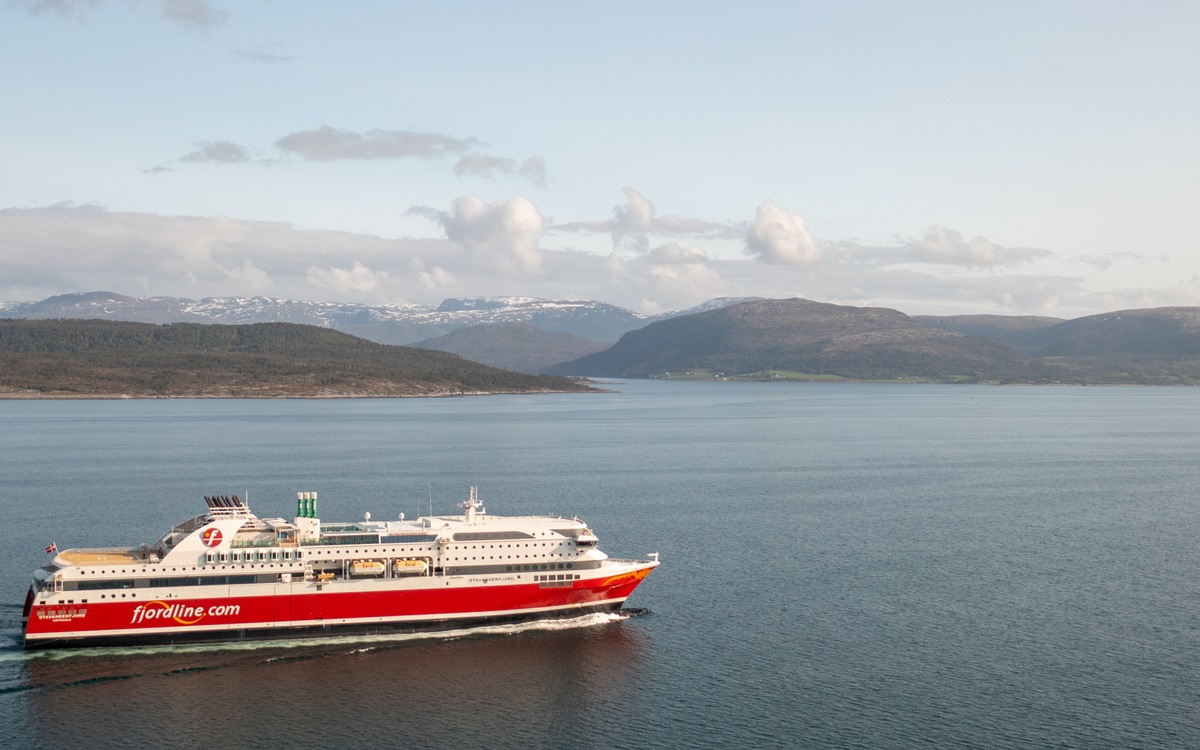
(844, 566)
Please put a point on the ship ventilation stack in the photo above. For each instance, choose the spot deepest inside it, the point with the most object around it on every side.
(308, 525)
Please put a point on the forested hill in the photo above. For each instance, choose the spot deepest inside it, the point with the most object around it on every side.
(96, 358)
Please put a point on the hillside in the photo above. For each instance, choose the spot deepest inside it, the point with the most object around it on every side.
(384, 324)
(514, 346)
(1017, 331)
(797, 337)
(43, 358)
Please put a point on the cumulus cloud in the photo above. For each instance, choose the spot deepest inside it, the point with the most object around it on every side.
(943, 245)
(357, 278)
(484, 165)
(777, 236)
(437, 278)
(221, 152)
(331, 144)
(247, 275)
(634, 222)
(500, 233)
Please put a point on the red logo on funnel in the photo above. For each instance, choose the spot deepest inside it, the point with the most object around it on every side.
(211, 537)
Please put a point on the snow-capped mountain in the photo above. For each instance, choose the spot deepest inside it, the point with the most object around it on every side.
(389, 324)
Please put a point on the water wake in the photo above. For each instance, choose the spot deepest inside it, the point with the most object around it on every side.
(364, 643)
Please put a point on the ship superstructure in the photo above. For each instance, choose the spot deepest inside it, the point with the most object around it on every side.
(228, 574)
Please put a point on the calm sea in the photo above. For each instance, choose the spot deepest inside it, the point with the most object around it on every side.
(844, 566)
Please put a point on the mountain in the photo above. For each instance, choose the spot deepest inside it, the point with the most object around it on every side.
(1017, 331)
(40, 358)
(514, 346)
(385, 324)
(1151, 346)
(773, 338)
(1157, 332)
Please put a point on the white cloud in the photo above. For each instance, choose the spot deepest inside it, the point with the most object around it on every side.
(633, 223)
(437, 278)
(198, 13)
(947, 246)
(484, 165)
(195, 13)
(248, 276)
(499, 234)
(776, 236)
(223, 152)
(494, 249)
(681, 273)
(61, 7)
(261, 55)
(330, 144)
(357, 278)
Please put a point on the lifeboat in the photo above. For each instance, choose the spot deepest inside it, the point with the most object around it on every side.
(409, 568)
(586, 539)
(366, 568)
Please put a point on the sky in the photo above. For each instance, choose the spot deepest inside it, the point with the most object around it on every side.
(954, 157)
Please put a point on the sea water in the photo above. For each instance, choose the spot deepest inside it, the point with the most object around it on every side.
(843, 566)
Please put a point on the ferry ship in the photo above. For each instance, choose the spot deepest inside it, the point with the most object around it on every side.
(230, 575)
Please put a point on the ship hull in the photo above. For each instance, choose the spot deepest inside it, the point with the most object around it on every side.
(307, 609)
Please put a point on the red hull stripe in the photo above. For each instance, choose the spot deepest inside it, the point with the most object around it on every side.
(296, 605)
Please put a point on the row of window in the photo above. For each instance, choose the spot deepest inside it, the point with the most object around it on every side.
(248, 556)
(537, 566)
(129, 583)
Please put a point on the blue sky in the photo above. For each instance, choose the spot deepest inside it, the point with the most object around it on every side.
(936, 157)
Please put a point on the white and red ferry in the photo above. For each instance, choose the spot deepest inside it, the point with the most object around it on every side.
(230, 575)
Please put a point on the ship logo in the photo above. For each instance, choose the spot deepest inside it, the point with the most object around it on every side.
(211, 537)
(179, 612)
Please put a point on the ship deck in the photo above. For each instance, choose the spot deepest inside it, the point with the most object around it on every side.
(99, 556)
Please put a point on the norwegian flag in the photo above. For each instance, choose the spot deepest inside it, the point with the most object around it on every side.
(52, 548)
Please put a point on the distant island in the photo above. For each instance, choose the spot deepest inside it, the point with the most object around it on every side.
(797, 339)
(115, 359)
(722, 339)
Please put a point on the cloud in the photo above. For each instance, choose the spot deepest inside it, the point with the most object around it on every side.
(483, 165)
(1106, 261)
(248, 276)
(259, 55)
(776, 236)
(495, 249)
(195, 13)
(221, 152)
(357, 278)
(198, 13)
(673, 271)
(436, 278)
(330, 144)
(947, 246)
(501, 233)
(69, 8)
(633, 223)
